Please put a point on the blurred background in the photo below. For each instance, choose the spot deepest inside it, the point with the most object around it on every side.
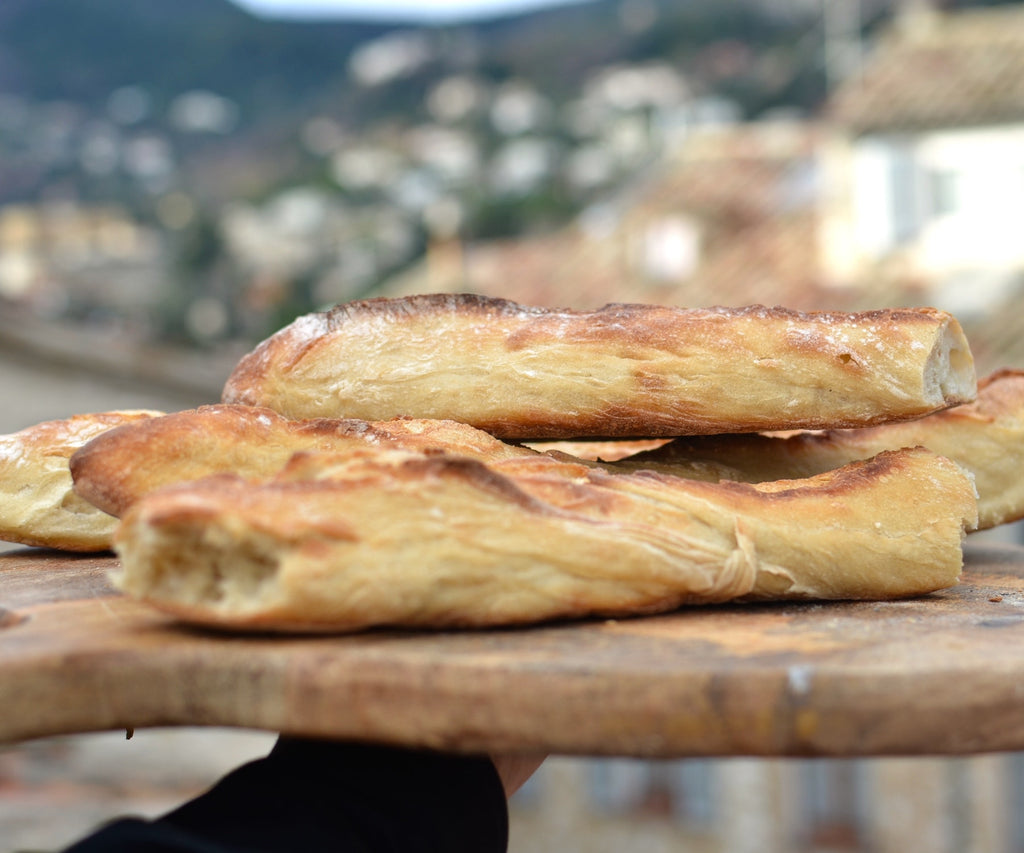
(178, 180)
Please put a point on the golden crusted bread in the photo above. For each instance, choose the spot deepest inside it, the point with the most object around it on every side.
(37, 504)
(521, 372)
(385, 538)
(117, 468)
(985, 437)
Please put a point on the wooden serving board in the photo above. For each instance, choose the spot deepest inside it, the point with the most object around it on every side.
(943, 674)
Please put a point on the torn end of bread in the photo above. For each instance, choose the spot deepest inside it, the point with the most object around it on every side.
(949, 377)
(440, 541)
(206, 565)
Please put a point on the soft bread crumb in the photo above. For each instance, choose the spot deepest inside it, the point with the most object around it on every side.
(201, 567)
(949, 373)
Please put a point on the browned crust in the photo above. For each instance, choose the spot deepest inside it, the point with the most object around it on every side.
(832, 484)
(115, 469)
(643, 316)
(311, 472)
(64, 436)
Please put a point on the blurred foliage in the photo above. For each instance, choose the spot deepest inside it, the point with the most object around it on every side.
(63, 59)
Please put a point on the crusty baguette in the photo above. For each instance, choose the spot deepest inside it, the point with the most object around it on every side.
(520, 372)
(985, 437)
(443, 541)
(114, 470)
(37, 504)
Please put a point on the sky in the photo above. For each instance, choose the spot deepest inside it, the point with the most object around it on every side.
(412, 10)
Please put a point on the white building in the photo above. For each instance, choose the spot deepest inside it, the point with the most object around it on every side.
(928, 164)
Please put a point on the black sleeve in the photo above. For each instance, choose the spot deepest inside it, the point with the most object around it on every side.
(324, 796)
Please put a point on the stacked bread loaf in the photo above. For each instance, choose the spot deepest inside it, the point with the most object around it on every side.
(367, 465)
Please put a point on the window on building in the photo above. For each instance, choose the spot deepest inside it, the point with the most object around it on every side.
(945, 192)
(904, 183)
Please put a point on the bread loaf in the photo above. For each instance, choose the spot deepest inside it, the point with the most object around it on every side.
(394, 539)
(118, 467)
(37, 504)
(521, 372)
(986, 437)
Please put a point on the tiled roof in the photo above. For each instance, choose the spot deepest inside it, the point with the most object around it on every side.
(933, 70)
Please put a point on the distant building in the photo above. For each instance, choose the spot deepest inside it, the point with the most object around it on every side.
(928, 164)
(60, 255)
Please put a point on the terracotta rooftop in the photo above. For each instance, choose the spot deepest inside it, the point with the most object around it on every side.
(933, 70)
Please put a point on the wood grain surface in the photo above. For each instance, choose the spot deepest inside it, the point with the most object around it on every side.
(943, 674)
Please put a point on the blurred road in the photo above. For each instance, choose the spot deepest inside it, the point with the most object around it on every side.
(33, 389)
(55, 789)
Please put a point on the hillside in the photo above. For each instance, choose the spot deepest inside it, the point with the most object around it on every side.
(65, 64)
(67, 50)
(81, 52)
